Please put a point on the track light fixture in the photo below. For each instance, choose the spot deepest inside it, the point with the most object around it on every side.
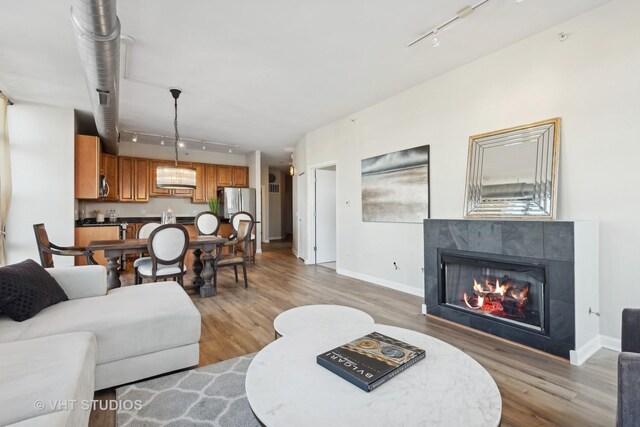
(435, 41)
(230, 150)
(135, 137)
(462, 13)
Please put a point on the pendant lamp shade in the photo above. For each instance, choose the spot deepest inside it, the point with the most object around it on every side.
(176, 177)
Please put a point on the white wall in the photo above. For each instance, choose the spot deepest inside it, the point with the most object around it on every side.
(591, 81)
(42, 149)
(167, 152)
(253, 160)
(264, 181)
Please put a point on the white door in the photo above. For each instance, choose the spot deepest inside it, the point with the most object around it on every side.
(325, 214)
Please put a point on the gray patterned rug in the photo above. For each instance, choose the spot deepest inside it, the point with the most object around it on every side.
(213, 395)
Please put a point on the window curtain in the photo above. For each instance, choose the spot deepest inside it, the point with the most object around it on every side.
(5, 177)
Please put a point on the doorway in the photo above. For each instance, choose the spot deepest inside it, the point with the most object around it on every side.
(325, 216)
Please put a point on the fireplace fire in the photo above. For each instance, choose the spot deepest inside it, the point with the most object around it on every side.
(505, 291)
(506, 300)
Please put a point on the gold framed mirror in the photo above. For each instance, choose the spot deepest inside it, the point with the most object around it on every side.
(513, 173)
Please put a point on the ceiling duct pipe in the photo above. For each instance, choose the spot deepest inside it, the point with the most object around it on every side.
(97, 31)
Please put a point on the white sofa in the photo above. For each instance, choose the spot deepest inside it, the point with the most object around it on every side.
(96, 340)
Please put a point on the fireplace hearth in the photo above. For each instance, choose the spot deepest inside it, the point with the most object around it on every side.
(519, 280)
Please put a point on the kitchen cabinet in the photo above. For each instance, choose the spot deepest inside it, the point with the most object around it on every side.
(225, 176)
(153, 183)
(87, 167)
(183, 193)
(109, 169)
(141, 180)
(240, 176)
(232, 176)
(84, 235)
(133, 175)
(200, 192)
(206, 184)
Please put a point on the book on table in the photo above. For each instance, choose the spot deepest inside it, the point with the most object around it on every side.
(371, 360)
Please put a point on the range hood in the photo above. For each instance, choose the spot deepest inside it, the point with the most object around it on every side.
(97, 31)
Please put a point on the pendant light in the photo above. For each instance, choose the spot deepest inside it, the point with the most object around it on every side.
(176, 177)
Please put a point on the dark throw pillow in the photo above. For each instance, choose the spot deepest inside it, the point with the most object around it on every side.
(26, 288)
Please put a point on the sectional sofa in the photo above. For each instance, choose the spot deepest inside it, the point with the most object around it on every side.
(53, 362)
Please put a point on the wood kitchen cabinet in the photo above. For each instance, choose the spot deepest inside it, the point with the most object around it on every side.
(233, 176)
(183, 193)
(153, 183)
(206, 185)
(84, 235)
(87, 167)
(109, 169)
(240, 176)
(133, 174)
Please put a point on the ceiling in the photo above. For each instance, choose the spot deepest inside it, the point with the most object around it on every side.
(259, 74)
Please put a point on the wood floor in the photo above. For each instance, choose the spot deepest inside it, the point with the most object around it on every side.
(536, 389)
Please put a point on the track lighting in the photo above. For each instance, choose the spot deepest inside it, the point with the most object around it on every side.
(435, 41)
(461, 14)
(230, 150)
(152, 138)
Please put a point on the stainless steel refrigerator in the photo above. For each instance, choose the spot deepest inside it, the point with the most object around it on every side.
(234, 200)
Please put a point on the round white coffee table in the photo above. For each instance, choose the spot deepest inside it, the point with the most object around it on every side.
(286, 387)
(312, 316)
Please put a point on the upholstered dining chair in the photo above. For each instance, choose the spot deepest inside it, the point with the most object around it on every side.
(240, 247)
(167, 246)
(628, 413)
(47, 250)
(235, 221)
(143, 233)
(207, 224)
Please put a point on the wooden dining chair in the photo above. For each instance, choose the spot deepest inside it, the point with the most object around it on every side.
(143, 233)
(235, 221)
(167, 246)
(46, 249)
(207, 224)
(240, 251)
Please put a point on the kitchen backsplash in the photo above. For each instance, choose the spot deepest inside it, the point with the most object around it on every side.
(153, 208)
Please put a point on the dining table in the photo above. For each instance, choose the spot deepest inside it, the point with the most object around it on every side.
(203, 269)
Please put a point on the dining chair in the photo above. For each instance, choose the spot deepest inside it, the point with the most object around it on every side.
(46, 249)
(235, 221)
(143, 233)
(167, 246)
(207, 224)
(241, 245)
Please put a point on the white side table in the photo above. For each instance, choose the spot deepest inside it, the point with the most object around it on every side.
(314, 316)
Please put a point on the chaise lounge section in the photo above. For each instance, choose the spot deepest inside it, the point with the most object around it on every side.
(126, 334)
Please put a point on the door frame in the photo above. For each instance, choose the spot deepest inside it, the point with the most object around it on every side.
(311, 206)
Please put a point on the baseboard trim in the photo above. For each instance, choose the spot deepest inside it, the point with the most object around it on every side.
(258, 251)
(611, 343)
(294, 251)
(424, 308)
(580, 355)
(275, 238)
(382, 282)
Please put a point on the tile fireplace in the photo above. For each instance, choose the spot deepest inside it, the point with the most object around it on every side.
(531, 282)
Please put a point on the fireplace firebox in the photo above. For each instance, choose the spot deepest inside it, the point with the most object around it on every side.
(500, 288)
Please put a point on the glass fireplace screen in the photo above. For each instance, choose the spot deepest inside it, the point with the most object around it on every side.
(506, 291)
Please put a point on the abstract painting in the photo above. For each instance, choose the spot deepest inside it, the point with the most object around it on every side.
(395, 186)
